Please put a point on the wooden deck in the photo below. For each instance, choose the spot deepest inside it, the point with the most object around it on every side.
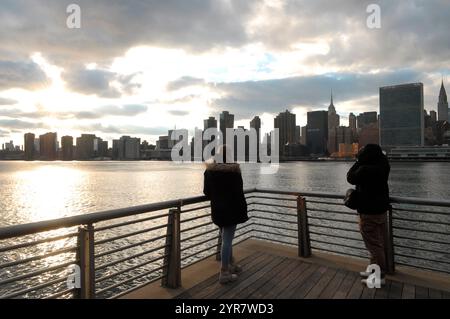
(274, 271)
(268, 276)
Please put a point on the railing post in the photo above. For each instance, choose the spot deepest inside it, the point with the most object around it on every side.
(219, 245)
(304, 242)
(85, 255)
(172, 259)
(389, 247)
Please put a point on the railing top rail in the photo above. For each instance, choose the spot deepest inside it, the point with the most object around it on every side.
(36, 227)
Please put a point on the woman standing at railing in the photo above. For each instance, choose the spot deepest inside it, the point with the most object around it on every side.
(370, 174)
(224, 187)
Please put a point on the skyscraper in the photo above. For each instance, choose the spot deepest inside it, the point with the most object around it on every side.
(67, 148)
(29, 146)
(47, 144)
(85, 146)
(256, 124)
(226, 121)
(317, 132)
(333, 123)
(401, 115)
(352, 121)
(285, 122)
(129, 148)
(210, 122)
(442, 104)
(366, 118)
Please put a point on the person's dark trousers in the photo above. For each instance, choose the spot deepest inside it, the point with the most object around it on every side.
(373, 231)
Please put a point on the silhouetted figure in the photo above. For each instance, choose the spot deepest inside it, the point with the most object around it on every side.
(224, 187)
(370, 174)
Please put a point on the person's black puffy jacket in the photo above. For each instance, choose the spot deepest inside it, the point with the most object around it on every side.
(370, 174)
(224, 187)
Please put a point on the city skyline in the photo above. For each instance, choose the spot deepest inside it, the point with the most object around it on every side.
(129, 72)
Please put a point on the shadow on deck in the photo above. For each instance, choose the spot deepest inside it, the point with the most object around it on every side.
(275, 271)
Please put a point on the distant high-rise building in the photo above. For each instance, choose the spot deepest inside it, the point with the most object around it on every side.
(433, 116)
(67, 148)
(48, 146)
(366, 118)
(298, 134)
(317, 132)
(442, 104)
(210, 122)
(226, 121)
(285, 122)
(29, 146)
(333, 123)
(129, 148)
(352, 121)
(256, 124)
(370, 134)
(303, 135)
(401, 115)
(85, 146)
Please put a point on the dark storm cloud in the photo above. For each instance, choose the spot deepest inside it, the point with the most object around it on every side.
(21, 74)
(110, 27)
(251, 98)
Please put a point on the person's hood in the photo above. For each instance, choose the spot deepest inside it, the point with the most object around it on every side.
(371, 154)
(223, 167)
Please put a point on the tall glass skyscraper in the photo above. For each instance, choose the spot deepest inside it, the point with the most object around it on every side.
(401, 115)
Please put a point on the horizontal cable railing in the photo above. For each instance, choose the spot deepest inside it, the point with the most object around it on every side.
(121, 250)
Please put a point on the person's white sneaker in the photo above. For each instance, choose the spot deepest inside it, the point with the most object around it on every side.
(382, 281)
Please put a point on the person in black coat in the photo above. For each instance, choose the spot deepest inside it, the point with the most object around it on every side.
(223, 186)
(370, 174)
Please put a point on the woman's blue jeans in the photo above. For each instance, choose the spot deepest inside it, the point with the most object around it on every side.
(226, 252)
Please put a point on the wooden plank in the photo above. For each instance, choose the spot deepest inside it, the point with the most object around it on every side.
(332, 287)
(246, 262)
(434, 293)
(321, 284)
(309, 283)
(421, 292)
(409, 291)
(215, 285)
(383, 292)
(356, 290)
(224, 289)
(345, 286)
(395, 292)
(288, 291)
(245, 288)
(287, 268)
(288, 281)
(368, 293)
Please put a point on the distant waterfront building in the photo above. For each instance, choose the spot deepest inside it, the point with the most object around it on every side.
(366, 118)
(352, 121)
(85, 147)
(285, 122)
(256, 124)
(401, 115)
(370, 134)
(317, 132)
(67, 148)
(210, 122)
(48, 146)
(420, 153)
(29, 146)
(303, 135)
(129, 148)
(442, 105)
(226, 121)
(433, 116)
(333, 123)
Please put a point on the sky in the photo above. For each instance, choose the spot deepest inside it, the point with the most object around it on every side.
(140, 67)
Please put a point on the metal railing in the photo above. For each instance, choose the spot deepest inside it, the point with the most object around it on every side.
(120, 250)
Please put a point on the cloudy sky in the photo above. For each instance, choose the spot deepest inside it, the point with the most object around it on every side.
(141, 67)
